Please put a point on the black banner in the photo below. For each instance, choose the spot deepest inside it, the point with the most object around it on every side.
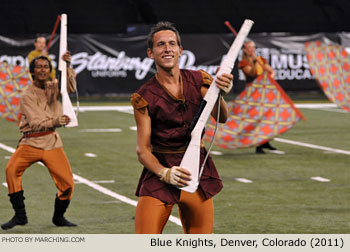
(113, 64)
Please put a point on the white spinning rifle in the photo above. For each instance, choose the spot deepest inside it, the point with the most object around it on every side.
(191, 158)
(62, 66)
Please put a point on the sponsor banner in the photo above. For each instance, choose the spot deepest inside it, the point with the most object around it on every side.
(114, 64)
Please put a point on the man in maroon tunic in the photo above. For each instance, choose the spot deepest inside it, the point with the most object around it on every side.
(164, 108)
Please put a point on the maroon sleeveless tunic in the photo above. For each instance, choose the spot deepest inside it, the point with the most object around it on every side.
(170, 122)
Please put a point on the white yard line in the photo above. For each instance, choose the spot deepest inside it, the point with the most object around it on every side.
(90, 155)
(115, 195)
(320, 179)
(277, 152)
(312, 146)
(329, 107)
(243, 180)
(315, 105)
(216, 153)
(7, 148)
(100, 188)
(125, 109)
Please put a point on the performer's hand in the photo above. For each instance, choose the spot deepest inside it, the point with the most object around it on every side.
(273, 74)
(67, 57)
(63, 120)
(52, 92)
(175, 176)
(224, 82)
(51, 84)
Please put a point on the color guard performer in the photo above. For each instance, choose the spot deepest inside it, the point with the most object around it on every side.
(41, 113)
(253, 66)
(164, 108)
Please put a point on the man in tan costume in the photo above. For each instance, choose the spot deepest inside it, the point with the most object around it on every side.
(41, 113)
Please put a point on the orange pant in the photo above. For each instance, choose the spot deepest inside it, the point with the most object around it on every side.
(55, 160)
(196, 214)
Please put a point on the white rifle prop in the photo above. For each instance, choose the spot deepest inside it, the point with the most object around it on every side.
(191, 158)
(62, 66)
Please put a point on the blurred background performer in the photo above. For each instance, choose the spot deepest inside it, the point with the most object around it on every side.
(164, 108)
(40, 45)
(41, 114)
(253, 66)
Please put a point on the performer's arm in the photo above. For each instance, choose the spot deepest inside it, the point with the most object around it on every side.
(175, 175)
(144, 147)
(36, 117)
(71, 80)
(250, 69)
(71, 75)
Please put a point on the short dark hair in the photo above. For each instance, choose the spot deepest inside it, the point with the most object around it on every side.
(36, 39)
(32, 64)
(162, 26)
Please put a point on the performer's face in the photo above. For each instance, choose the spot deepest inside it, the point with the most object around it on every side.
(40, 44)
(165, 51)
(41, 70)
(249, 48)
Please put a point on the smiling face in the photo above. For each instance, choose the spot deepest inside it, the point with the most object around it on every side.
(41, 71)
(165, 51)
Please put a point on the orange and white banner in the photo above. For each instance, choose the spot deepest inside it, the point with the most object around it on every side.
(260, 113)
(330, 64)
(13, 79)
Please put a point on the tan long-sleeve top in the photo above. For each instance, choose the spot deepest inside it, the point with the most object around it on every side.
(40, 110)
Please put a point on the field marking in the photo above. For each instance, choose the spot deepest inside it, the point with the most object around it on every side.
(125, 109)
(7, 148)
(90, 155)
(329, 107)
(277, 152)
(320, 179)
(216, 153)
(243, 180)
(312, 146)
(5, 184)
(315, 105)
(100, 188)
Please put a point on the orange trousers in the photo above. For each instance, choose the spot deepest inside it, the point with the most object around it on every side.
(196, 214)
(55, 160)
